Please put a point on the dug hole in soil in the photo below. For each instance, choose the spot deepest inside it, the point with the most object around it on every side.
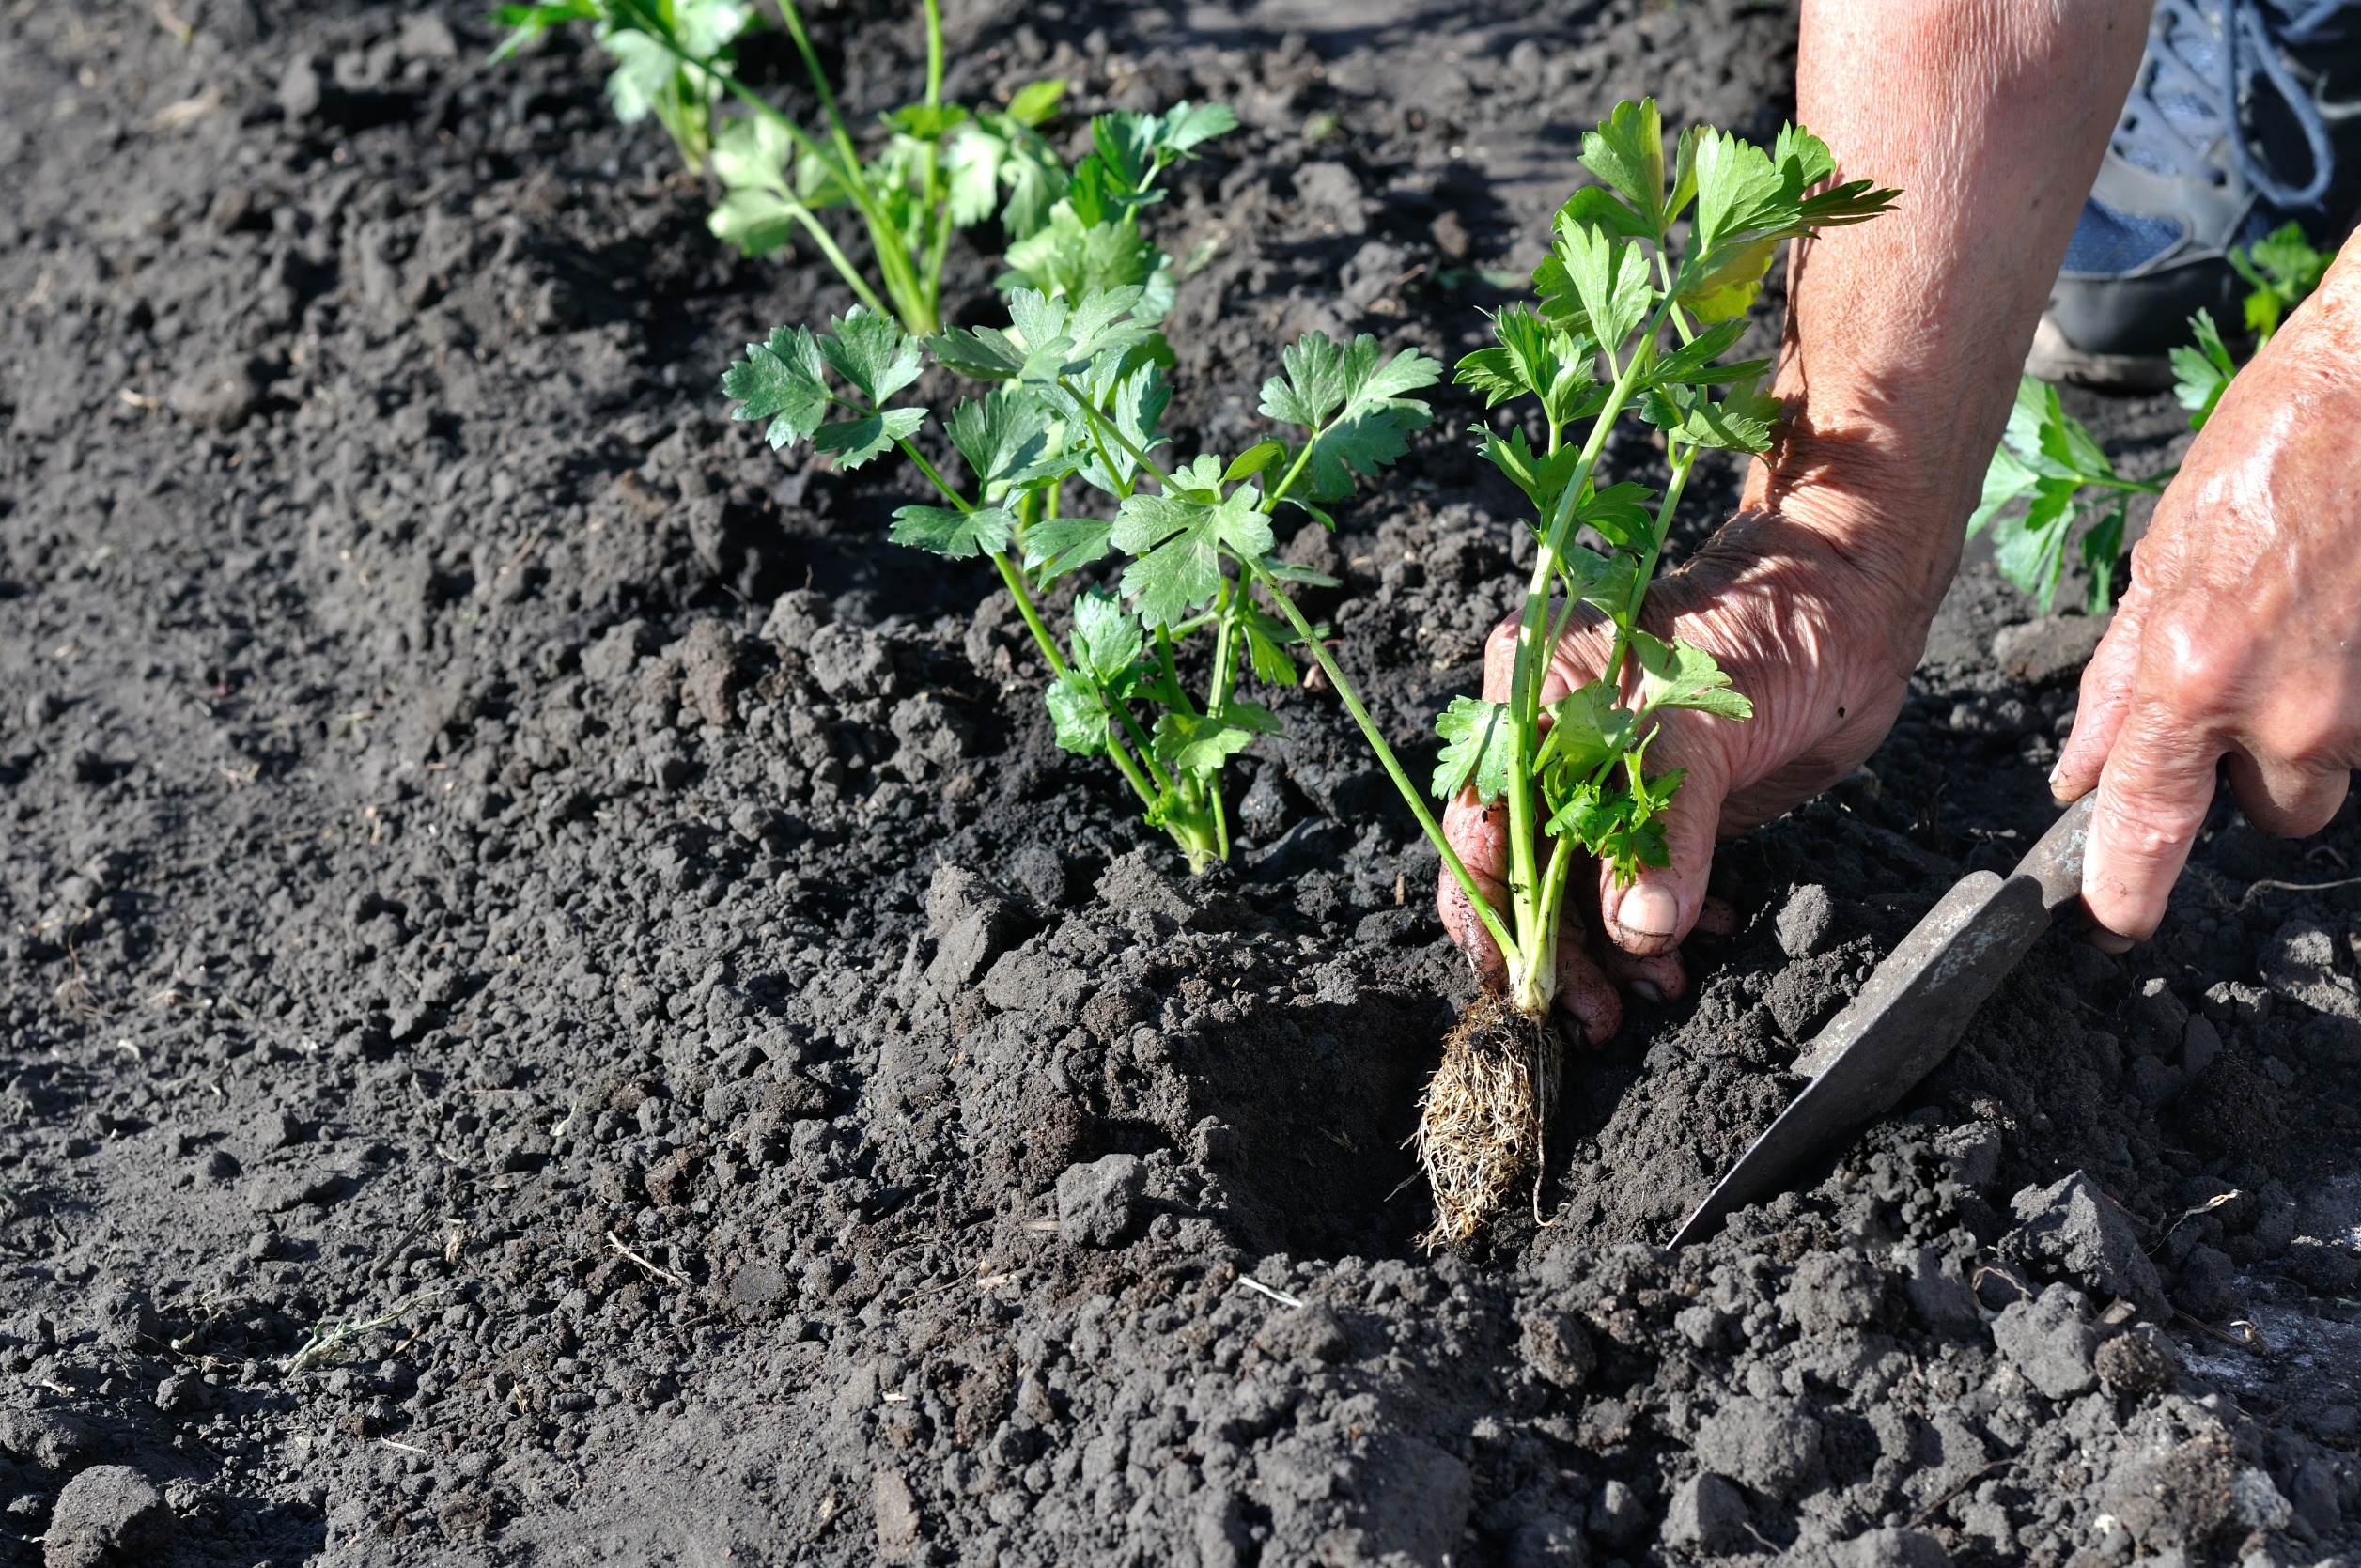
(558, 1004)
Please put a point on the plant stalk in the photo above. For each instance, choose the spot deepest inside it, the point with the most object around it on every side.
(1393, 765)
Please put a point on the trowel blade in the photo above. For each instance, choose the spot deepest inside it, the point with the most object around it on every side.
(1907, 1017)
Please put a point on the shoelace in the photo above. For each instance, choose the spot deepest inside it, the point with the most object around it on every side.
(2200, 55)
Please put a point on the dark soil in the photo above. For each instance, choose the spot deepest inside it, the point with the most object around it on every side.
(558, 1004)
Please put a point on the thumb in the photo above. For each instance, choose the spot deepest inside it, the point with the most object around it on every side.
(1652, 915)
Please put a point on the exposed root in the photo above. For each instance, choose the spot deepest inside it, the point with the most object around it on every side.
(1483, 1116)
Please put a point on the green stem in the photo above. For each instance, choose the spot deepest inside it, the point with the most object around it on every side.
(1121, 756)
(1392, 766)
(1147, 747)
(934, 53)
(1015, 581)
(891, 247)
(1008, 570)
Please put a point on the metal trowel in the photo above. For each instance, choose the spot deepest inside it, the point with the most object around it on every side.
(1907, 1017)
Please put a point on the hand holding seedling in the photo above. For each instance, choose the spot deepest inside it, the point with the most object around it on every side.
(2241, 636)
(1903, 340)
(1781, 609)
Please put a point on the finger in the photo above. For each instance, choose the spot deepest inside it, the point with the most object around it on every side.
(1652, 915)
(1716, 917)
(2287, 800)
(2154, 794)
(2106, 697)
(1499, 662)
(1660, 977)
(1584, 991)
(1480, 838)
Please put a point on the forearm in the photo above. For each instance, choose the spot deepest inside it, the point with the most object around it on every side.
(1904, 336)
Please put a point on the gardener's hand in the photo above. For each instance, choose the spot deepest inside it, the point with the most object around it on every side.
(1822, 641)
(2241, 637)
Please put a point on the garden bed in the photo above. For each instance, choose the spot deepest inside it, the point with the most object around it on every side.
(558, 1002)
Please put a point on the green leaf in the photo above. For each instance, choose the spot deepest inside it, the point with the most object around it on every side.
(1200, 744)
(1134, 405)
(1680, 675)
(1056, 546)
(703, 28)
(527, 22)
(2006, 479)
(1253, 461)
(1179, 544)
(971, 171)
(961, 536)
(1609, 275)
(1107, 640)
(855, 441)
(1352, 402)
(1492, 372)
(2030, 550)
(643, 70)
(2202, 374)
(2101, 544)
(1036, 101)
(1586, 728)
(1724, 285)
(1002, 436)
(1627, 151)
(1619, 514)
(1266, 641)
(785, 382)
(1187, 127)
(2066, 442)
(1076, 710)
(1596, 205)
(1692, 362)
(1476, 740)
(757, 221)
(1736, 182)
(1741, 422)
(872, 351)
(2282, 268)
(1542, 477)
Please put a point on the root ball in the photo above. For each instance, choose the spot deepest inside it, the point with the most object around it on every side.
(1484, 1116)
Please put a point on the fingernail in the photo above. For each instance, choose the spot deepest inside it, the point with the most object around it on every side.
(1648, 911)
(2108, 943)
(1646, 991)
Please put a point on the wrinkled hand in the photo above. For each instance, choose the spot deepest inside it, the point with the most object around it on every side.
(2241, 636)
(1821, 640)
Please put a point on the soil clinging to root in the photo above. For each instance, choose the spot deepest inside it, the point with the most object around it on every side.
(559, 1003)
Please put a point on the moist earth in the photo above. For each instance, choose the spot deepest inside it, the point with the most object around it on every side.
(559, 1004)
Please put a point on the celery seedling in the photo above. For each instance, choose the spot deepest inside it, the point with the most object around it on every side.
(1631, 316)
(2281, 270)
(943, 166)
(1080, 391)
(2048, 460)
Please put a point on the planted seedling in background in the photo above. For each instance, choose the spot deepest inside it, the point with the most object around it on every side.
(2071, 490)
(937, 168)
(1078, 393)
(1634, 311)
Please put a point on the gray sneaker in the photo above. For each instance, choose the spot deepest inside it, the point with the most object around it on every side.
(2245, 115)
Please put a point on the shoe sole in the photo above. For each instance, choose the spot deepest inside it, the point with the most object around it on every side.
(2054, 359)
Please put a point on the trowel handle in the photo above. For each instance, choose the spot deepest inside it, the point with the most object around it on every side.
(2055, 862)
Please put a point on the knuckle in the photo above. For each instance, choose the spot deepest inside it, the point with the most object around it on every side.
(2191, 663)
(2146, 826)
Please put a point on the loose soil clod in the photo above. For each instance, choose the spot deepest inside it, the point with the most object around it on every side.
(1483, 1119)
